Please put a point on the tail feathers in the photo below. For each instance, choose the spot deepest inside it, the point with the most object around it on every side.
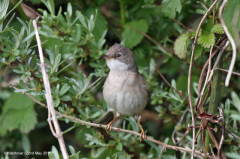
(108, 117)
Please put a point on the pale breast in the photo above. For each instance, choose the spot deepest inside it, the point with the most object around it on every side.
(125, 92)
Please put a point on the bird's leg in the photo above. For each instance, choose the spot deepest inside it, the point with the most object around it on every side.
(109, 125)
(143, 136)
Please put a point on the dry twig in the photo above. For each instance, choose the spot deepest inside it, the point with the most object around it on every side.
(51, 110)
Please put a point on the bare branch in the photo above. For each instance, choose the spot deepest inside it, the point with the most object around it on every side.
(58, 133)
(223, 128)
(224, 70)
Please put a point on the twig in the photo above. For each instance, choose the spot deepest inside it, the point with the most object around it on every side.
(234, 135)
(212, 151)
(224, 70)
(210, 73)
(183, 96)
(180, 24)
(176, 127)
(234, 54)
(223, 42)
(190, 72)
(48, 95)
(206, 81)
(223, 128)
(147, 36)
(74, 119)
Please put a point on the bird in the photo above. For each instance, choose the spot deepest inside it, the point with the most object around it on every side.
(125, 89)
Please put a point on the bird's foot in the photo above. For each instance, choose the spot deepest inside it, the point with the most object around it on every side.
(143, 136)
(109, 127)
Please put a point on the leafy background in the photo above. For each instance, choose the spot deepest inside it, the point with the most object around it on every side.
(74, 35)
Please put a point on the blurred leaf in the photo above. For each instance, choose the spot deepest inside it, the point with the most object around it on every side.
(132, 37)
(64, 89)
(180, 45)
(55, 152)
(18, 113)
(217, 29)
(119, 146)
(228, 15)
(198, 52)
(100, 21)
(232, 155)
(26, 143)
(170, 7)
(235, 101)
(206, 40)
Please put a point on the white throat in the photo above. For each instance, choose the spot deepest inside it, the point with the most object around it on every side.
(114, 64)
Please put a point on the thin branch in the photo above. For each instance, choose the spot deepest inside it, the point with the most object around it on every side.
(190, 72)
(48, 95)
(183, 96)
(180, 24)
(210, 73)
(224, 70)
(212, 151)
(221, 45)
(234, 135)
(206, 81)
(74, 119)
(147, 36)
(223, 128)
(176, 127)
(234, 54)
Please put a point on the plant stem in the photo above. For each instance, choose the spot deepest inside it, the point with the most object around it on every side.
(123, 18)
(214, 98)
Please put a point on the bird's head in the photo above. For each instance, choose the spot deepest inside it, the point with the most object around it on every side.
(119, 57)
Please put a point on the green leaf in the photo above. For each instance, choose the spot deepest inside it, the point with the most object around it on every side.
(73, 152)
(55, 152)
(235, 100)
(56, 102)
(130, 36)
(66, 98)
(12, 58)
(26, 143)
(23, 119)
(100, 21)
(64, 89)
(119, 146)
(217, 29)
(180, 45)
(232, 155)
(198, 52)
(229, 13)
(206, 40)
(170, 7)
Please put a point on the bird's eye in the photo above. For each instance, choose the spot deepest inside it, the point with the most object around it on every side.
(118, 55)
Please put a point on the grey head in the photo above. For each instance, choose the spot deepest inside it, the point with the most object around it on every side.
(119, 57)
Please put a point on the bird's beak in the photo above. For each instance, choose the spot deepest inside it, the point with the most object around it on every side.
(105, 57)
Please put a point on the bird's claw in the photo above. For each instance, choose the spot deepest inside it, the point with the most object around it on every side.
(108, 127)
(143, 136)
